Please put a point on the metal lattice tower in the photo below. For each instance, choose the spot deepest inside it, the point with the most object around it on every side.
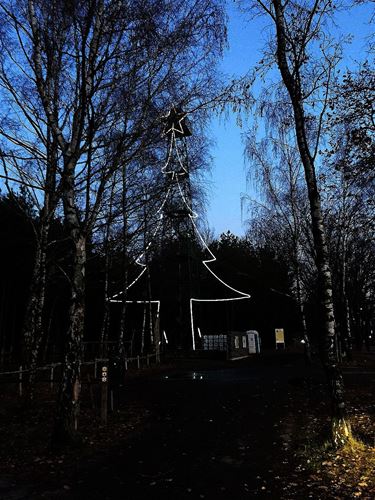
(178, 207)
(178, 230)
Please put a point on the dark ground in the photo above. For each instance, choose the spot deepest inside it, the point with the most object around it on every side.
(207, 430)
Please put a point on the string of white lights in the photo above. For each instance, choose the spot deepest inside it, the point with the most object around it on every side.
(185, 171)
(137, 301)
(163, 170)
(212, 259)
(173, 143)
(192, 215)
(138, 259)
(242, 295)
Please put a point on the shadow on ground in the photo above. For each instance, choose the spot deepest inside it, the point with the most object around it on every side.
(213, 431)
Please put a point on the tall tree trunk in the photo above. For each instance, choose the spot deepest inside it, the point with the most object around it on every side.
(340, 426)
(32, 326)
(121, 336)
(33, 321)
(107, 265)
(66, 420)
(148, 276)
(344, 295)
(344, 305)
(105, 321)
(68, 400)
(307, 345)
(143, 328)
(348, 330)
(47, 353)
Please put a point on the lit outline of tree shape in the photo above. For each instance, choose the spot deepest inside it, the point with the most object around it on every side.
(192, 215)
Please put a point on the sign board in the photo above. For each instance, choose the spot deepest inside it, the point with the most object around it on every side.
(104, 374)
(104, 398)
(279, 336)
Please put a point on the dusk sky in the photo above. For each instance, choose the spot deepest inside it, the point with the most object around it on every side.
(246, 40)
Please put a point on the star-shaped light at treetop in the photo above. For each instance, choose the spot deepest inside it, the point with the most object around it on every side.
(175, 123)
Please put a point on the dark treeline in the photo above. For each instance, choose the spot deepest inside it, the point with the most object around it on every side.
(252, 264)
(257, 271)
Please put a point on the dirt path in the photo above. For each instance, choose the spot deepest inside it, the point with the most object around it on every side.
(255, 428)
(213, 431)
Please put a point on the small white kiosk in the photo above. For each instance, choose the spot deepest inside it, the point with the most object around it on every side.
(253, 341)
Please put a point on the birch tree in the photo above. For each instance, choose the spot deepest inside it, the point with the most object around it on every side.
(306, 58)
(29, 153)
(119, 63)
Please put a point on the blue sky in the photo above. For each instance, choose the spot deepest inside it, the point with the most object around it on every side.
(228, 178)
(246, 39)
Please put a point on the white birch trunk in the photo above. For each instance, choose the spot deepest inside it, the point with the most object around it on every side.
(340, 427)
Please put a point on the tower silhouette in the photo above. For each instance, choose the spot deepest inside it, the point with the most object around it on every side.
(179, 246)
(181, 268)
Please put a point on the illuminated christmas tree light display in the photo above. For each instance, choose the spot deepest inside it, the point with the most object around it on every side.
(177, 206)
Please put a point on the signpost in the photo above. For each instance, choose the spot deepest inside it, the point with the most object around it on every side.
(104, 398)
(279, 337)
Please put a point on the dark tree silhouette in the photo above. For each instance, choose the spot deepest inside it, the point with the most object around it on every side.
(306, 58)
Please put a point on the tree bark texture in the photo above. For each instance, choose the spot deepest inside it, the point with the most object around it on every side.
(33, 321)
(32, 326)
(121, 336)
(291, 78)
(68, 399)
(344, 295)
